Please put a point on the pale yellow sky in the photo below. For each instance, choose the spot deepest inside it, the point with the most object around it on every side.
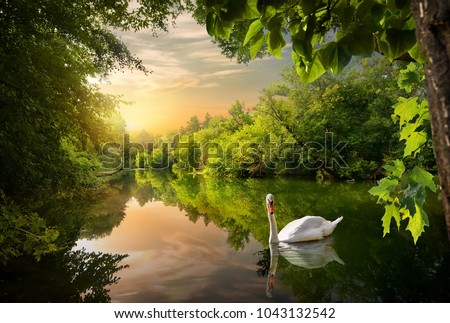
(190, 77)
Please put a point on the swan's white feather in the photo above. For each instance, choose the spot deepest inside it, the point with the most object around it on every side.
(306, 229)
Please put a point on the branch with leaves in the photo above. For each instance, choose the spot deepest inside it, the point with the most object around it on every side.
(402, 191)
(324, 34)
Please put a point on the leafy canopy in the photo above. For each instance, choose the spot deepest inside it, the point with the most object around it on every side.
(324, 34)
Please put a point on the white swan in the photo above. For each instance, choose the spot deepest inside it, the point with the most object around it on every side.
(307, 228)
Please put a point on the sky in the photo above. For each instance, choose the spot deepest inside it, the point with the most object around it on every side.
(190, 77)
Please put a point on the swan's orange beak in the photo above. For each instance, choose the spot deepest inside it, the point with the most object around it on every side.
(270, 207)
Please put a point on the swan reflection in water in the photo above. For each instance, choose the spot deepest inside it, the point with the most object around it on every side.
(309, 255)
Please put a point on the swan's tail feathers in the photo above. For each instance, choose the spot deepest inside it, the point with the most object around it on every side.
(335, 222)
(328, 229)
(339, 260)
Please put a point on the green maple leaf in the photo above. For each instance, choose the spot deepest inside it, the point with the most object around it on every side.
(420, 175)
(383, 189)
(408, 130)
(406, 109)
(417, 223)
(391, 211)
(414, 142)
(409, 77)
(397, 169)
(412, 195)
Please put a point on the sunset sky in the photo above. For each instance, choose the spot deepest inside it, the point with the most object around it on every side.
(190, 77)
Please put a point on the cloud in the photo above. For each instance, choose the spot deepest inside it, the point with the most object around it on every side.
(228, 72)
(184, 57)
(189, 72)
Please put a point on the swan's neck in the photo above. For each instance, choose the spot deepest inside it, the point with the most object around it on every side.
(273, 238)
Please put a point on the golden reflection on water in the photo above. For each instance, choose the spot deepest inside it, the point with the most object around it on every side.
(172, 259)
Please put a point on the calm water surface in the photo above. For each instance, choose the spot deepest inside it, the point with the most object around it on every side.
(172, 259)
(156, 238)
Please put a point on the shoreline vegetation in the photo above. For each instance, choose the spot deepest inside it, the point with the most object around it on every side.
(340, 128)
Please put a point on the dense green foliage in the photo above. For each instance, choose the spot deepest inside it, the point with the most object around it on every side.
(324, 34)
(21, 232)
(336, 127)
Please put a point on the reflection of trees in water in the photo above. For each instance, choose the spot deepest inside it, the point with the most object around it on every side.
(92, 273)
(76, 276)
(238, 205)
(376, 270)
(107, 210)
(263, 262)
(72, 276)
(238, 235)
(193, 196)
(92, 217)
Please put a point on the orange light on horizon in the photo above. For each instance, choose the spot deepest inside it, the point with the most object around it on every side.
(161, 120)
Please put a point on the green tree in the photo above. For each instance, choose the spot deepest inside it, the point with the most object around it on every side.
(193, 125)
(239, 114)
(49, 52)
(354, 107)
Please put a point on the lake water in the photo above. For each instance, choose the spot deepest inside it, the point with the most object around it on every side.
(157, 238)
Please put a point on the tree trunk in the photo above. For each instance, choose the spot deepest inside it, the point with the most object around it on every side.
(433, 34)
